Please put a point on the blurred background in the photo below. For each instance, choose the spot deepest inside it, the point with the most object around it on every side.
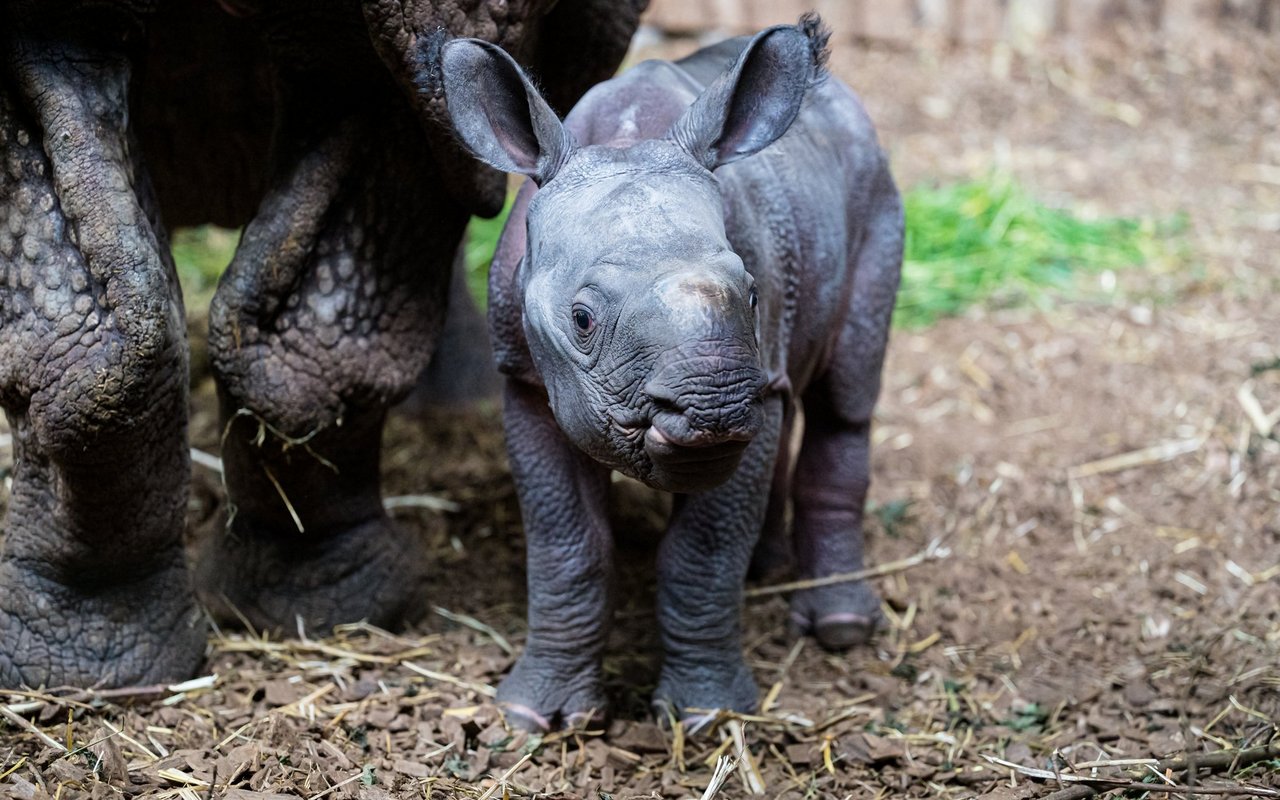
(1090, 129)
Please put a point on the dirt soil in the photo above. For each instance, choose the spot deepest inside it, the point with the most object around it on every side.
(1092, 481)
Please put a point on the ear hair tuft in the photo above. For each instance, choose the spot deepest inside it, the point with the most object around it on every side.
(755, 101)
(819, 35)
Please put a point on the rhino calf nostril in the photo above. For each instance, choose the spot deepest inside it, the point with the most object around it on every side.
(663, 397)
(665, 404)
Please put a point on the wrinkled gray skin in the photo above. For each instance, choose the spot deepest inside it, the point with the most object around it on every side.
(311, 123)
(623, 306)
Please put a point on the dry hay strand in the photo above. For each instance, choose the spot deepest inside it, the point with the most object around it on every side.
(306, 703)
(1227, 761)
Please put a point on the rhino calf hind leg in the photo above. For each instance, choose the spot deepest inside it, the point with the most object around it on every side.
(833, 471)
(832, 477)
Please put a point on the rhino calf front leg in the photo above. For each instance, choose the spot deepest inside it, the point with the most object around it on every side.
(570, 559)
(702, 565)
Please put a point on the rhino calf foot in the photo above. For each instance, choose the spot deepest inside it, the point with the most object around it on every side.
(139, 630)
(839, 616)
(693, 692)
(372, 571)
(542, 693)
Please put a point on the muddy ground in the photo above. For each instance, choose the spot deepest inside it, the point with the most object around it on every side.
(1091, 480)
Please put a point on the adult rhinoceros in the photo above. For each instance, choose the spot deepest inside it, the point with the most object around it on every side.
(309, 123)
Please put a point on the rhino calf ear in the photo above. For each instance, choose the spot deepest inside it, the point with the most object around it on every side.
(749, 107)
(498, 114)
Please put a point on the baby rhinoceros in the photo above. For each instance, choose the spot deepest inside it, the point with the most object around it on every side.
(704, 244)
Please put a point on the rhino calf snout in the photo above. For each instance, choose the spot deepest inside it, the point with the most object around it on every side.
(691, 468)
(713, 385)
(707, 406)
(706, 410)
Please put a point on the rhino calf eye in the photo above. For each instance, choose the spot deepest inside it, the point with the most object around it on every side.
(584, 319)
(753, 297)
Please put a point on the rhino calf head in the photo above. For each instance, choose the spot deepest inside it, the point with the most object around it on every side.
(639, 317)
(640, 321)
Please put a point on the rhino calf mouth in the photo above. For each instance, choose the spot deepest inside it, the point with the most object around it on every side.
(691, 467)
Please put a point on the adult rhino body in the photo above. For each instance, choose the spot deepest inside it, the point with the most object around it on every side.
(305, 121)
(702, 245)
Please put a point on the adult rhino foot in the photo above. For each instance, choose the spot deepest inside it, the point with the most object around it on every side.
(373, 571)
(140, 630)
(326, 316)
(543, 692)
(692, 693)
(839, 616)
(93, 369)
(307, 535)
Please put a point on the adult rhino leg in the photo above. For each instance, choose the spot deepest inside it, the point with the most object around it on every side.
(331, 307)
(93, 374)
(324, 319)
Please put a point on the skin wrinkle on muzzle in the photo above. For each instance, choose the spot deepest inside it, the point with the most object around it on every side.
(327, 316)
(714, 385)
(730, 298)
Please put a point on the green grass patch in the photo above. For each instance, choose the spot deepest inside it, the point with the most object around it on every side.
(482, 240)
(1028, 717)
(988, 242)
(201, 254)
